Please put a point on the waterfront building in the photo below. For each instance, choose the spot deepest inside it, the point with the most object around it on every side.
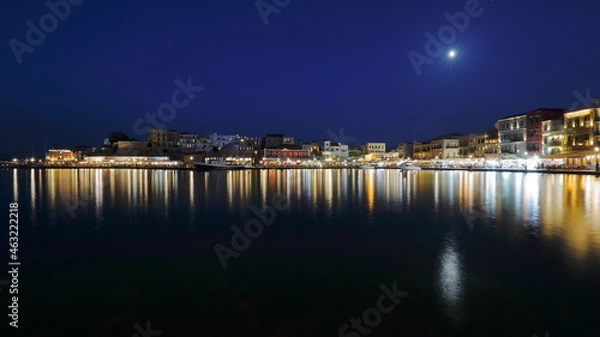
(376, 148)
(130, 148)
(333, 150)
(219, 141)
(405, 151)
(285, 155)
(278, 140)
(422, 150)
(60, 155)
(534, 126)
(582, 129)
(463, 146)
(249, 146)
(189, 140)
(163, 139)
(553, 135)
(445, 146)
(477, 144)
(492, 144)
(512, 133)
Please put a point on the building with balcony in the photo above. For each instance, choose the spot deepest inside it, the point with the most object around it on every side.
(582, 129)
(333, 150)
(405, 151)
(512, 133)
(376, 148)
(422, 150)
(163, 139)
(463, 146)
(477, 144)
(534, 126)
(553, 136)
(445, 147)
(492, 144)
(189, 140)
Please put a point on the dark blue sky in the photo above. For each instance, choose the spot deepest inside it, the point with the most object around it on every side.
(317, 65)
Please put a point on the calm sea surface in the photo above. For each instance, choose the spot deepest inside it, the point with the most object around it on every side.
(109, 252)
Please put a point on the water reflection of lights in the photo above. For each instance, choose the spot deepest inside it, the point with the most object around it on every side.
(451, 280)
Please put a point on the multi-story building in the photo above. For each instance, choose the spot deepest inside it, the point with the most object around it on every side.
(463, 146)
(161, 138)
(535, 131)
(333, 150)
(374, 148)
(249, 146)
(277, 140)
(422, 150)
(492, 143)
(477, 144)
(189, 140)
(405, 151)
(219, 141)
(512, 132)
(60, 155)
(553, 131)
(445, 147)
(582, 129)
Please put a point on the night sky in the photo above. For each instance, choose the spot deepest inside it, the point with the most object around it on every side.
(316, 66)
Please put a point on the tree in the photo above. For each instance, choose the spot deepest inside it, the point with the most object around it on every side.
(116, 137)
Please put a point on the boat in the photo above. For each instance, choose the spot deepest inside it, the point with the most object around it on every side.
(406, 167)
(366, 166)
(217, 164)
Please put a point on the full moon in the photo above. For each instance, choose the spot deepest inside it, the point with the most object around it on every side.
(452, 54)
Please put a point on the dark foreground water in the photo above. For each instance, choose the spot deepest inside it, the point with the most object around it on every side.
(132, 253)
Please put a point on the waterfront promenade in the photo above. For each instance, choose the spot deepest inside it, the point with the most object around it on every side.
(391, 165)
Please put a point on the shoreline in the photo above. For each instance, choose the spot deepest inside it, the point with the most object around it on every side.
(187, 168)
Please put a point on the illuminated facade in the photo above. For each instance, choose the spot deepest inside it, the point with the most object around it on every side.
(60, 155)
(492, 143)
(333, 150)
(512, 133)
(422, 150)
(374, 148)
(477, 144)
(535, 132)
(582, 129)
(553, 134)
(445, 147)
